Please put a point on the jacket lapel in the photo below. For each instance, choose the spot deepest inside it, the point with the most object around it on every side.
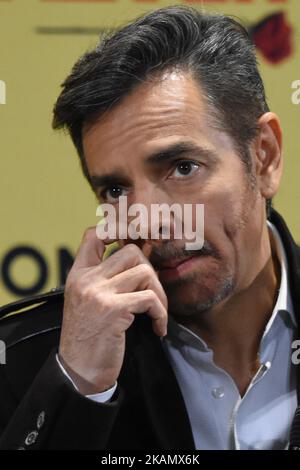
(161, 392)
(294, 443)
(293, 259)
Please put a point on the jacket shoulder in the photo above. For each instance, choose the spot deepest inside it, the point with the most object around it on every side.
(31, 316)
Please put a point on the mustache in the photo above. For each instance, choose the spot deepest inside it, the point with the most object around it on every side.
(165, 252)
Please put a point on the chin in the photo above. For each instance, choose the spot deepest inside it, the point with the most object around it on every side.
(188, 297)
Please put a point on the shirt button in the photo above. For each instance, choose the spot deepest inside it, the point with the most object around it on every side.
(40, 420)
(218, 392)
(31, 438)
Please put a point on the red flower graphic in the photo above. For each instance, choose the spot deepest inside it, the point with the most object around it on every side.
(273, 37)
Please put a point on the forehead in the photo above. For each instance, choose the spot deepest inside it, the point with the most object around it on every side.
(168, 106)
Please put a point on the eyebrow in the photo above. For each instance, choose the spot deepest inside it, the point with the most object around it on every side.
(98, 181)
(178, 150)
(171, 153)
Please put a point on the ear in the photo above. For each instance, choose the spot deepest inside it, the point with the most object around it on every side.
(268, 153)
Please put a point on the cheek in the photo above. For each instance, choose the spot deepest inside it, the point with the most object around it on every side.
(226, 219)
(221, 214)
(230, 202)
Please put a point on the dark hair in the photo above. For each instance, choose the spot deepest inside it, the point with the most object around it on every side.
(215, 49)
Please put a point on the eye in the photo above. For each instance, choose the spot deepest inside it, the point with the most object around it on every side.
(112, 194)
(185, 168)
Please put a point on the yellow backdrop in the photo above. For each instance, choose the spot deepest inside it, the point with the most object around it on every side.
(45, 202)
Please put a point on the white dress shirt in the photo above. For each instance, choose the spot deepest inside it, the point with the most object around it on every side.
(219, 417)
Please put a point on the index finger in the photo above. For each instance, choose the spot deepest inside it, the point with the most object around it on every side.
(91, 249)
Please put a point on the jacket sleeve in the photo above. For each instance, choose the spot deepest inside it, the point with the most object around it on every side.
(53, 415)
(101, 397)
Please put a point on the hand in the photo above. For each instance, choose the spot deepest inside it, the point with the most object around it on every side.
(101, 301)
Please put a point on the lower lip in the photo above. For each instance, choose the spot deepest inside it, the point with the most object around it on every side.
(168, 274)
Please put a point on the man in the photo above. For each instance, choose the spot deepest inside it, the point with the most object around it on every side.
(161, 347)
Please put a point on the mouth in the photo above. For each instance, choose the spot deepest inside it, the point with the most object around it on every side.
(174, 263)
(176, 268)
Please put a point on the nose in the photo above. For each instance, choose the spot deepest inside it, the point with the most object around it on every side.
(150, 216)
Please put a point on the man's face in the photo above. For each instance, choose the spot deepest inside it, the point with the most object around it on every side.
(131, 144)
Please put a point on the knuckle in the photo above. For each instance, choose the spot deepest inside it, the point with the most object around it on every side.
(83, 290)
(151, 296)
(87, 293)
(132, 250)
(80, 289)
(145, 270)
(73, 284)
(77, 285)
(103, 301)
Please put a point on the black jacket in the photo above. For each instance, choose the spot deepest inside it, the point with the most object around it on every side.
(40, 409)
